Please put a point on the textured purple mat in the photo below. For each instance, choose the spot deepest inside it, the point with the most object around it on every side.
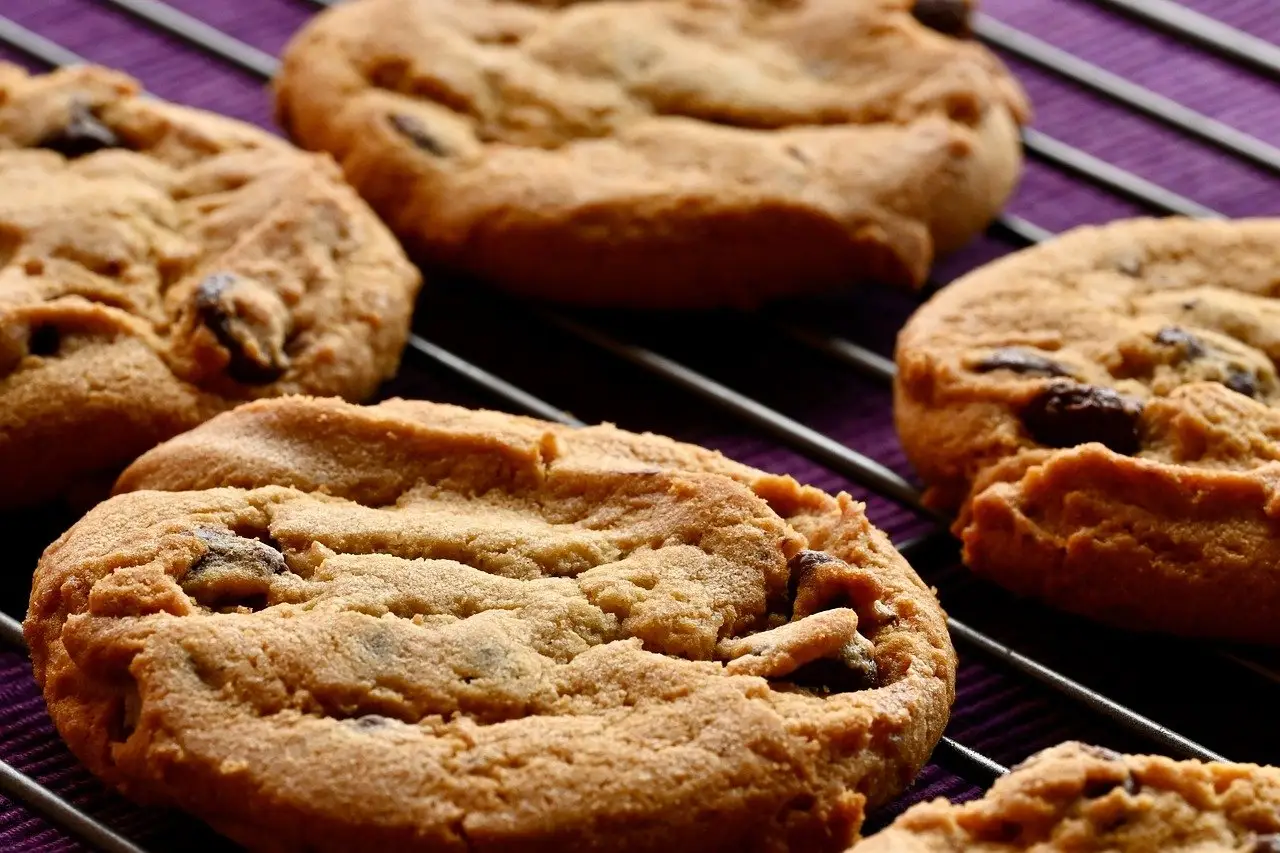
(998, 712)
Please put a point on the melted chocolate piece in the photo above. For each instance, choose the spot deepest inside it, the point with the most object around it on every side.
(1066, 415)
(1172, 336)
(801, 565)
(83, 134)
(1242, 382)
(1020, 361)
(250, 362)
(417, 133)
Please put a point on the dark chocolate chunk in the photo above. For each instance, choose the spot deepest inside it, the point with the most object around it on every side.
(252, 359)
(949, 17)
(1066, 415)
(417, 133)
(801, 565)
(1095, 788)
(1242, 382)
(44, 341)
(1269, 843)
(1173, 336)
(234, 571)
(1020, 361)
(83, 134)
(827, 676)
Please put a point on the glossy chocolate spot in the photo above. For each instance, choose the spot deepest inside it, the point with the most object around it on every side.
(801, 565)
(417, 133)
(1172, 336)
(1242, 382)
(234, 571)
(949, 17)
(83, 134)
(1020, 361)
(45, 341)
(1066, 415)
(253, 359)
(828, 676)
(1269, 843)
(1095, 788)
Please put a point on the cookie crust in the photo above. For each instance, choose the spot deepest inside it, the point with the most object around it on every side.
(571, 640)
(160, 264)
(660, 154)
(1101, 412)
(1086, 799)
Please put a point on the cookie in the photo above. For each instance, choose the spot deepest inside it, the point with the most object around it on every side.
(159, 265)
(663, 154)
(418, 627)
(1101, 411)
(1086, 799)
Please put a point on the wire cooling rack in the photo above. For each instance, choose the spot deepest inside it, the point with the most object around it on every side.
(1028, 677)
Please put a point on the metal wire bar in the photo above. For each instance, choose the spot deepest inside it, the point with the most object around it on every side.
(193, 29)
(11, 631)
(956, 757)
(861, 359)
(1192, 26)
(1162, 735)
(829, 452)
(496, 385)
(1112, 177)
(23, 789)
(35, 45)
(1015, 229)
(1139, 98)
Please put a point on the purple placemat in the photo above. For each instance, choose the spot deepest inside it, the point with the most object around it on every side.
(997, 711)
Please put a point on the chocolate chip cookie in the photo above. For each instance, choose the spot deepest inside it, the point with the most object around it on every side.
(1101, 410)
(158, 265)
(663, 154)
(1085, 799)
(418, 627)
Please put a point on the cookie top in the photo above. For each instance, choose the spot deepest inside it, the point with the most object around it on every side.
(1083, 799)
(160, 264)
(418, 627)
(1101, 410)
(662, 153)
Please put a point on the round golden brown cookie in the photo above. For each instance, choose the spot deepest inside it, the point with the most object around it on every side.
(1076, 798)
(663, 154)
(1101, 411)
(158, 265)
(418, 627)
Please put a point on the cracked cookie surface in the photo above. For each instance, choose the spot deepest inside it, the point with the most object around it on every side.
(663, 153)
(158, 265)
(1101, 410)
(1076, 798)
(418, 627)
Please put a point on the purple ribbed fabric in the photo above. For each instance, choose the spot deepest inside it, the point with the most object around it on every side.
(998, 712)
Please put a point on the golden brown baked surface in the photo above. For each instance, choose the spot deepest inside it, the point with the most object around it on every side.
(1076, 798)
(418, 627)
(1101, 412)
(671, 153)
(160, 264)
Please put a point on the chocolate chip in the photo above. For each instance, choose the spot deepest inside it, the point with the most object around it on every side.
(82, 134)
(1020, 361)
(417, 133)
(1242, 382)
(828, 676)
(949, 17)
(44, 341)
(254, 360)
(1173, 336)
(1269, 843)
(1095, 788)
(234, 571)
(801, 565)
(1066, 415)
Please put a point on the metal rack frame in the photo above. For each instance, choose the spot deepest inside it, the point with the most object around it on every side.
(1190, 26)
